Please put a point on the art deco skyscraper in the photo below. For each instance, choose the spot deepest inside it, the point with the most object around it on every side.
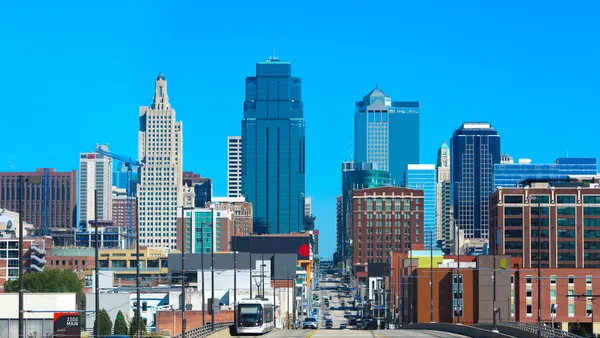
(95, 173)
(386, 133)
(443, 177)
(160, 147)
(273, 164)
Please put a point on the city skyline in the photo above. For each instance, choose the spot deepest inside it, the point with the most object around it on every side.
(453, 81)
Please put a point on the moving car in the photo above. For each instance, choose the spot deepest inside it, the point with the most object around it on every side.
(329, 324)
(347, 312)
(310, 323)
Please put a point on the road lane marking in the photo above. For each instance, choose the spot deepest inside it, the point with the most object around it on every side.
(310, 334)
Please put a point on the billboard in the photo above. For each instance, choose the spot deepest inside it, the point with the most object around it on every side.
(67, 325)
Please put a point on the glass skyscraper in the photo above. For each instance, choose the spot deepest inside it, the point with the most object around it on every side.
(510, 175)
(119, 178)
(273, 146)
(356, 176)
(386, 133)
(423, 177)
(474, 150)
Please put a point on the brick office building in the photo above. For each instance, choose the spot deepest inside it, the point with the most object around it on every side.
(568, 215)
(48, 205)
(385, 219)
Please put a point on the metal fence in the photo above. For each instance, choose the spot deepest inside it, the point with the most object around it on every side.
(204, 331)
(547, 331)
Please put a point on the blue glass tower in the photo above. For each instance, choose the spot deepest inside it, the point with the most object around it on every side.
(273, 146)
(423, 177)
(474, 150)
(510, 175)
(120, 178)
(386, 133)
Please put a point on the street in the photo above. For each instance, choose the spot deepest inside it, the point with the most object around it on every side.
(360, 333)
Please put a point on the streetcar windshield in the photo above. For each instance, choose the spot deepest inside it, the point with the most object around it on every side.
(250, 314)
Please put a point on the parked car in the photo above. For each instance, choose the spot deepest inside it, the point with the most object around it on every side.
(329, 324)
(310, 323)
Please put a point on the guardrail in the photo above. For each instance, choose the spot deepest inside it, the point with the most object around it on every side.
(465, 330)
(547, 332)
(204, 331)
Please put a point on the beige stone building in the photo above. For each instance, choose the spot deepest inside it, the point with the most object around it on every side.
(160, 192)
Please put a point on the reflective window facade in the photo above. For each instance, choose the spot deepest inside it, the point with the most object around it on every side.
(273, 146)
(380, 123)
(423, 177)
(510, 175)
(474, 150)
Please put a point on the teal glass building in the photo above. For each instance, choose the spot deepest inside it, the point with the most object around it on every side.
(202, 231)
(386, 133)
(423, 177)
(273, 147)
(511, 174)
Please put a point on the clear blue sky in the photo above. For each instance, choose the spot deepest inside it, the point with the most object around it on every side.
(75, 73)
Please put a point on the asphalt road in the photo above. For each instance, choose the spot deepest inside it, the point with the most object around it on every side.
(361, 333)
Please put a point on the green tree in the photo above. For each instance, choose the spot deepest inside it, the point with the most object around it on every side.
(133, 325)
(120, 324)
(50, 280)
(105, 323)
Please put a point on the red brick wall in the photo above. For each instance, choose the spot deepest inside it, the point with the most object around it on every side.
(164, 320)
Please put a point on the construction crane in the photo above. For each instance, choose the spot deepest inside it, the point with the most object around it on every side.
(129, 163)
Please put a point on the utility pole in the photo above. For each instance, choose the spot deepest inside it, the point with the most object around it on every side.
(459, 277)
(97, 274)
(212, 268)
(21, 282)
(431, 273)
(235, 278)
(539, 270)
(137, 282)
(202, 268)
(183, 274)
(495, 310)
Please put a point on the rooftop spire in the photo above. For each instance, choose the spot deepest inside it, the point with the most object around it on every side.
(161, 99)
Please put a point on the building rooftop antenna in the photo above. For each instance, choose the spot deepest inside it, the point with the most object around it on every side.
(273, 57)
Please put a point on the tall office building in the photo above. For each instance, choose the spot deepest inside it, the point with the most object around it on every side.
(234, 166)
(273, 145)
(509, 175)
(443, 175)
(386, 133)
(201, 187)
(474, 149)
(51, 204)
(160, 147)
(119, 178)
(95, 173)
(423, 177)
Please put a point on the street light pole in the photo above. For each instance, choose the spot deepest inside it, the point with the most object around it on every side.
(96, 272)
(137, 282)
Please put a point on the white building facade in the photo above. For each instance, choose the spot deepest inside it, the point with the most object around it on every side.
(95, 173)
(443, 175)
(160, 148)
(234, 166)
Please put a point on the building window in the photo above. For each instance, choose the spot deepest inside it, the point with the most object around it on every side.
(528, 279)
(571, 310)
(529, 293)
(552, 279)
(515, 199)
(565, 199)
(571, 279)
(588, 279)
(552, 293)
(588, 310)
(529, 310)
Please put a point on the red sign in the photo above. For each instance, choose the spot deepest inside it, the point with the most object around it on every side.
(316, 232)
(67, 325)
